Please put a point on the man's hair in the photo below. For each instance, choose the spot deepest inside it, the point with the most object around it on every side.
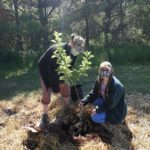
(77, 40)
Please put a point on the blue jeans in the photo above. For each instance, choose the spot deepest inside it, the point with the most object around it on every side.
(99, 117)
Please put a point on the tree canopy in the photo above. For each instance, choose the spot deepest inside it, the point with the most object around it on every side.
(27, 27)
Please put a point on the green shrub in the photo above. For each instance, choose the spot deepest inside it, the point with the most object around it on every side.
(9, 56)
(134, 53)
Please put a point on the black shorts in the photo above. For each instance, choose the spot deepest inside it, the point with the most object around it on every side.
(50, 78)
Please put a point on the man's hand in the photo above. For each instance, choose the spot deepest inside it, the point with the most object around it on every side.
(64, 89)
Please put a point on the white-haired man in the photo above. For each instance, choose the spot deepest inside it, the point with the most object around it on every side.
(50, 79)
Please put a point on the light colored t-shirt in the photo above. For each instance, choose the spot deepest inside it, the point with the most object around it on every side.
(102, 89)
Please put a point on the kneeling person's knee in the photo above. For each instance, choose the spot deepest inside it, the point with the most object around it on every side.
(99, 117)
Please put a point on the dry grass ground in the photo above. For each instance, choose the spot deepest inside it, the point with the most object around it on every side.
(20, 105)
(25, 108)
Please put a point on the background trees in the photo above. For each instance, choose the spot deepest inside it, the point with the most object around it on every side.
(109, 27)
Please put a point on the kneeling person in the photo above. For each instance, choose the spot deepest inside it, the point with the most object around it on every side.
(107, 96)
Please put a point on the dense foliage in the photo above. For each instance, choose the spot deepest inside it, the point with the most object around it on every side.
(109, 27)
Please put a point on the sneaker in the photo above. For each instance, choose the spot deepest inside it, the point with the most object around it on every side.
(44, 121)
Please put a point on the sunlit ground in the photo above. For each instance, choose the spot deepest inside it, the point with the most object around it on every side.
(20, 105)
(25, 108)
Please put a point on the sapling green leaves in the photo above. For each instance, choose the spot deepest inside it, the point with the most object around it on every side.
(67, 74)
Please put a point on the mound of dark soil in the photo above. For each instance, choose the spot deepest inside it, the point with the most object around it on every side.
(75, 128)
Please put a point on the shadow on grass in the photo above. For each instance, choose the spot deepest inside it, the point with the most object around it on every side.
(18, 80)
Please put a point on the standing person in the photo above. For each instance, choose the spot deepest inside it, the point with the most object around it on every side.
(49, 77)
(107, 96)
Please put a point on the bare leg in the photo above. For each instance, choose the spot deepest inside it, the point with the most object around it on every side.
(66, 100)
(45, 109)
(65, 92)
(45, 102)
(46, 95)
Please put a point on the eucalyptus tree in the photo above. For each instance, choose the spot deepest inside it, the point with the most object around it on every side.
(42, 11)
(94, 17)
(139, 20)
(79, 17)
(17, 20)
(45, 10)
(13, 7)
(9, 35)
(6, 36)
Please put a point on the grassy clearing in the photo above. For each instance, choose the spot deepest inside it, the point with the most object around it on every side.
(19, 105)
(136, 78)
(26, 109)
(17, 80)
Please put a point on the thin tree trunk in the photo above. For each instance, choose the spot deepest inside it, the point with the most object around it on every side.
(107, 24)
(121, 20)
(18, 36)
(87, 31)
(87, 17)
(44, 22)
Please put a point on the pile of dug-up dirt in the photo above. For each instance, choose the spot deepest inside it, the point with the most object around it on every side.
(74, 129)
(74, 132)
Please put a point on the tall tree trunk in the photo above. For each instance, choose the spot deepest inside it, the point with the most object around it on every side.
(18, 35)
(107, 24)
(87, 31)
(121, 20)
(44, 22)
(71, 3)
(87, 18)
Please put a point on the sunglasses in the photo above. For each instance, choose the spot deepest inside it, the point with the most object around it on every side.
(104, 73)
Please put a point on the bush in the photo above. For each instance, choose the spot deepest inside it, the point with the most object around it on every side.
(9, 56)
(134, 53)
